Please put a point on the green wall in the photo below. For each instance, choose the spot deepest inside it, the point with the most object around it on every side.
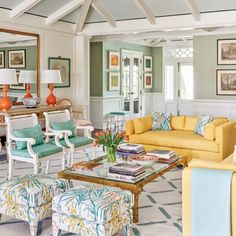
(31, 62)
(205, 66)
(99, 66)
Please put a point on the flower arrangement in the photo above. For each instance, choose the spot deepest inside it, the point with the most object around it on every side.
(111, 141)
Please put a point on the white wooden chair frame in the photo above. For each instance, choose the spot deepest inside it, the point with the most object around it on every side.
(51, 117)
(35, 160)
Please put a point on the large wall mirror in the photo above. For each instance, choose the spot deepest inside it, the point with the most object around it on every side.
(20, 51)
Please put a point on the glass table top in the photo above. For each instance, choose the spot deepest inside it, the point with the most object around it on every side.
(103, 170)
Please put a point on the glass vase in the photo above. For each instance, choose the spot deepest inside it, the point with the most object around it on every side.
(111, 154)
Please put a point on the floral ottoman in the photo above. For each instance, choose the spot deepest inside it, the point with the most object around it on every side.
(92, 210)
(30, 198)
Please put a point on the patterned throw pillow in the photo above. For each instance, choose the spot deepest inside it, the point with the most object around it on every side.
(201, 124)
(161, 121)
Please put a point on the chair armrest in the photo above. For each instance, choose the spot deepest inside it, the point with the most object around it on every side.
(87, 130)
(48, 134)
(32, 141)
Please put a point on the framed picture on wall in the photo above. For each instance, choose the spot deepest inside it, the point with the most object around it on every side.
(2, 59)
(147, 80)
(18, 86)
(147, 63)
(62, 64)
(226, 82)
(114, 60)
(17, 58)
(114, 81)
(226, 51)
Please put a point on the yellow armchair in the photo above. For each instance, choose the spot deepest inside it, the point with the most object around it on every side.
(186, 192)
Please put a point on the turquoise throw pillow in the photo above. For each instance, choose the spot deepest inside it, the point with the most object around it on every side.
(32, 132)
(203, 120)
(66, 125)
(161, 121)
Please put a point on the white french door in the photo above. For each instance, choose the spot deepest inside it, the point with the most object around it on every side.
(178, 86)
(131, 83)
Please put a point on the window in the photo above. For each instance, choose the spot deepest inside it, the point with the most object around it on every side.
(186, 81)
(169, 82)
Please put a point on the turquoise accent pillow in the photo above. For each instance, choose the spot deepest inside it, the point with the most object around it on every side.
(203, 120)
(161, 121)
(65, 125)
(32, 132)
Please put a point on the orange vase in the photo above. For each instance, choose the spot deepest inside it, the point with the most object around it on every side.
(28, 94)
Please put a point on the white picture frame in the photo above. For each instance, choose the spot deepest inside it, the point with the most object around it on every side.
(147, 63)
(114, 81)
(147, 80)
(114, 60)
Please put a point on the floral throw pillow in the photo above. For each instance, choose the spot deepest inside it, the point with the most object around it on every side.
(161, 121)
(203, 120)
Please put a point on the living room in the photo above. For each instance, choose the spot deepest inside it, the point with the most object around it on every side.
(119, 62)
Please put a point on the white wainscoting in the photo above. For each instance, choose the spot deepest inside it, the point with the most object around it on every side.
(225, 108)
(100, 107)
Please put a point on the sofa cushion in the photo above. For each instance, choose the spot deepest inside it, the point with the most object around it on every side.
(129, 127)
(94, 203)
(142, 124)
(161, 121)
(32, 132)
(202, 121)
(209, 129)
(177, 122)
(175, 139)
(190, 123)
(32, 190)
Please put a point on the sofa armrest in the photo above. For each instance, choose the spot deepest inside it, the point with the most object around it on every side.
(226, 138)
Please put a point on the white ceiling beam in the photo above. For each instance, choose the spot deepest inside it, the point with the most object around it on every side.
(193, 9)
(98, 6)
(146, 11)
(83, 14)
(66, 9)
(22, 7)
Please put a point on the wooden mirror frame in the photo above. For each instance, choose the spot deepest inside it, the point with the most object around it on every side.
(38, 56)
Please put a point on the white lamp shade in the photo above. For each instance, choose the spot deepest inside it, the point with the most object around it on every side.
(8, 76)
(27, 76)
(51, 76)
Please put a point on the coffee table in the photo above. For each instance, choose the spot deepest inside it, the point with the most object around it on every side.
(99, 176)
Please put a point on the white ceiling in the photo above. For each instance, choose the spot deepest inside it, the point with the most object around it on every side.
(124, 9)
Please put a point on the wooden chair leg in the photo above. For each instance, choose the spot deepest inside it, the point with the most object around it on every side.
(63, 162)
(47, 167)
(72, 158)
(94, 152)
(68, 159)
(33, 229)
(10, 168)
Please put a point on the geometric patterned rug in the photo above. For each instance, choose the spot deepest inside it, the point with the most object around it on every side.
(160, 204)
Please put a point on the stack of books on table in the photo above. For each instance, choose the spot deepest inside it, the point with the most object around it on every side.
(164, 156)
(126, 172)
(129, 149)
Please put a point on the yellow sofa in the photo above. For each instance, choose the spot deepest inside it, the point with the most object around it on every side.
(186, 191)
(216, 144)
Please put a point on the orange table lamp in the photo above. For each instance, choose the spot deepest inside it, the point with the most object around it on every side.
(50, 77)
(7, 76)
(28, 77)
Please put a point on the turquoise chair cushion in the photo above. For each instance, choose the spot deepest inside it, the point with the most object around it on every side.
(32, 190)
(32, 132)
(77, 141)
(42, 150)
(95, 203)
(66, 125)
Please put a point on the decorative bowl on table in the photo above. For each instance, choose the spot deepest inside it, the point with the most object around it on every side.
(144, 160)
(31, 102)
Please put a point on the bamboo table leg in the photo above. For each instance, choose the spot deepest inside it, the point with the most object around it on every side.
(135, 207)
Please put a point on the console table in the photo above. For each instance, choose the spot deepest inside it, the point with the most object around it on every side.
(38, 110)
